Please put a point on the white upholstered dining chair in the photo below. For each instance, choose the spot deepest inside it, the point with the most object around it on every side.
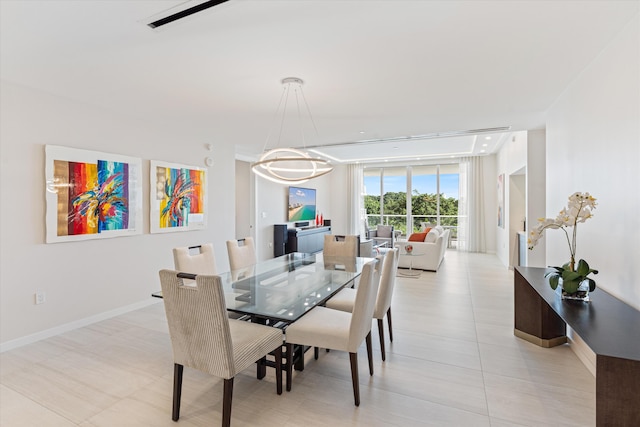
(204, 338)
(339, 330)
(346, 246)
(345, 299)
(204, 262)
(242, 253)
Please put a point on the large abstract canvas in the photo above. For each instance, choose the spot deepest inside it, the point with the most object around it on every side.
(91, 195)
(178, 197)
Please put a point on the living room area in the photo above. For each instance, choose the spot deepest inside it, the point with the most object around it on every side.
(559, 79)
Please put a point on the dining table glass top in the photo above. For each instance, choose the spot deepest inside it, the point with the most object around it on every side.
(286, 287)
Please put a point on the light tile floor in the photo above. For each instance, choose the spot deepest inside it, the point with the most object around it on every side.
(454, 362)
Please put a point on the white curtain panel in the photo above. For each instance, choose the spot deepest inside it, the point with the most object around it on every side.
(355, 204)
(471, 224)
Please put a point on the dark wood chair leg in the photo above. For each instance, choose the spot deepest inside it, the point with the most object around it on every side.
(226, 402)
(381, 334)
(177, 390)
(316, 352)
(278, 360)
(299, 358)
(289, 365)
(353, 358)
(389, 322)
(261, 368)
(369, 352)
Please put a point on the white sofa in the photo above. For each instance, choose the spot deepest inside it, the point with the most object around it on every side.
(427, 255)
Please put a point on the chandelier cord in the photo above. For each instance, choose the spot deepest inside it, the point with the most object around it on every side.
(273, 120)
(304, 142)
(306, 104)
(284, 113)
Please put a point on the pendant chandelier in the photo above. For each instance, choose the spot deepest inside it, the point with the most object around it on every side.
(290, 165)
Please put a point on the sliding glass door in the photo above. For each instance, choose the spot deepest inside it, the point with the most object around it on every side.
(433, 197)
(394, 187)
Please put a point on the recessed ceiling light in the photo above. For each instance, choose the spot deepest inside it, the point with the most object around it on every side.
(482, 151)
(417, 158)
(386, 160)
(361, 131)
(484, 145)
(487, 138)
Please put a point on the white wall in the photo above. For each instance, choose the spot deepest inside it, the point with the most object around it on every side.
(511, 158)
(536, 191)
(271, 208)
(489, 169)
(339, 200)
(244, 195)
(89, 278)
(517, 212)
(593, 144)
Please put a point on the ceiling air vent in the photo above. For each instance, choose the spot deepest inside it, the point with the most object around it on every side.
(175, 15)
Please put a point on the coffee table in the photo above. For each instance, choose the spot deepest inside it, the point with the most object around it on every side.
(410, 272)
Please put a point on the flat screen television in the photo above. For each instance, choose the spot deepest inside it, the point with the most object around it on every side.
(302, 204)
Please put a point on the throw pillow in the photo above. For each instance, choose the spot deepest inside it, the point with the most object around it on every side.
(384, 231)
(432, 236)
(417, 237)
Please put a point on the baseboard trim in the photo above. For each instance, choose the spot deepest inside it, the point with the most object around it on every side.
(48, 333)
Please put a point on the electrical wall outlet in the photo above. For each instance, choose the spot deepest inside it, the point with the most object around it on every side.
(41, 297)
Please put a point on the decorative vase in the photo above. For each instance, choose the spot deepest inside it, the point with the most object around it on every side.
(582, 294)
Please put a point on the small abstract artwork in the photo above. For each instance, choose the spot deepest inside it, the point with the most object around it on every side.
(91, 195)
(178, 197)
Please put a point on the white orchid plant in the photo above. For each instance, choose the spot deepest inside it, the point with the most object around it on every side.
(578, 210)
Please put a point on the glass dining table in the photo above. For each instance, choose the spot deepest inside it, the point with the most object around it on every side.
(283, 289)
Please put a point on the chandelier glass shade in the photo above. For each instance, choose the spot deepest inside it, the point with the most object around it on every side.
(290, 165)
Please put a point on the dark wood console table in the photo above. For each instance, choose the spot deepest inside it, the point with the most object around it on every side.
(610, 327)
(308, 240)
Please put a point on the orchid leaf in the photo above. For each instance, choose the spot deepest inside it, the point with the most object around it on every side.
(568, 275)
(583, 268)
(553, 281)
(592, 285)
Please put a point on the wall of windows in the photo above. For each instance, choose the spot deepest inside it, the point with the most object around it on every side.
(433, 196)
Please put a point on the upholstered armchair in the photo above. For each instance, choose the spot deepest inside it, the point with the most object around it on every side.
(384, 233)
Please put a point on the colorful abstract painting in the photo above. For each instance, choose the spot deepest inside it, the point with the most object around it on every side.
(91, 195)
(178, 197)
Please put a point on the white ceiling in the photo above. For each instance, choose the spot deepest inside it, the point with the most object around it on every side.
(372, 69)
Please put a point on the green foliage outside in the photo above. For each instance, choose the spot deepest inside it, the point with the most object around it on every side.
(424, 207)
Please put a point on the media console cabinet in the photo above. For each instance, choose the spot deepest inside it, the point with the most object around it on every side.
(307, 239)
(610, 327)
